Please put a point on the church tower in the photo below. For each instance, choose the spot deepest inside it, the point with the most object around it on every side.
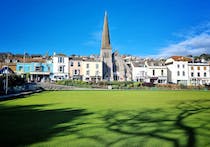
(106, 52)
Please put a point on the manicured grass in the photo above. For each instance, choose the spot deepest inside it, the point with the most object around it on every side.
(107, 118)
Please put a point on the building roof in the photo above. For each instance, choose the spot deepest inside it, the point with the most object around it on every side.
(152, 62)
(138, 64)
(63, 55)
(181, 58)
(4, 70)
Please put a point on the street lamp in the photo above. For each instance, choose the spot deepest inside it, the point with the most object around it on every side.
(6, 89)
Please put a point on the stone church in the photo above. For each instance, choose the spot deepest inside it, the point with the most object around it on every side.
(114, 67)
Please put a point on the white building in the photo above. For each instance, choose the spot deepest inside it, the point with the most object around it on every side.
(60, 67)
(178, 70)
(149, 71)
(139, 71)
(199, 73)
(156, 72)
(92, 71)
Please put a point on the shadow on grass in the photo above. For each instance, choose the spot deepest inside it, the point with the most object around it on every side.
(188, 125)
(179, 127)
(24, 125)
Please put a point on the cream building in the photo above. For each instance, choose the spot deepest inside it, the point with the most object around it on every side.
(199, 73)
(92, 71)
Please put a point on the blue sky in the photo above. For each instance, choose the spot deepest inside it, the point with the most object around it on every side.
(156, 28)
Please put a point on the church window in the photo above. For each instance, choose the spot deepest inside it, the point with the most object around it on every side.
(106, 55)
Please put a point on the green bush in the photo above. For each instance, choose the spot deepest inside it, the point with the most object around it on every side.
(129, 86)
(136, 84)
(115, 86)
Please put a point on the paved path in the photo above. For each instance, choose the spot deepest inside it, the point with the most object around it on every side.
(51, 86)
(18, 94)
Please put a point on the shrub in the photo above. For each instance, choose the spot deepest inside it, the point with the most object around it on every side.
(136, 84)
(182, 86)
(115, 86)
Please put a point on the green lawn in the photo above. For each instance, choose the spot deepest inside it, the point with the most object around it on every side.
(107, 118)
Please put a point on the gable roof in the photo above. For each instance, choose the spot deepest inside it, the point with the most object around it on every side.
(181, 58)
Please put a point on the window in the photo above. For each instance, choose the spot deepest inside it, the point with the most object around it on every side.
(198, 68)
(153, 72)
(97, 66)
(183, 73)
(60, 60)
(72, 63)
(178, 73)
(177, 65)
(78, 64)
(204, 68)
(161, 72)
(192, 74)
(97, 73)
(192, 68)
(183, 66)
(198, 74)
(87, 72)
(87, 65)
(38, 68)
(75, 72)
(204, 74)
(20, 68)
(61, 69)
(106, 55)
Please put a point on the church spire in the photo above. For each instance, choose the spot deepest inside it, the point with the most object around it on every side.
(105, 35)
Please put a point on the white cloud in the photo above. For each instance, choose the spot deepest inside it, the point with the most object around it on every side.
(193, 46)
(196, 41)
